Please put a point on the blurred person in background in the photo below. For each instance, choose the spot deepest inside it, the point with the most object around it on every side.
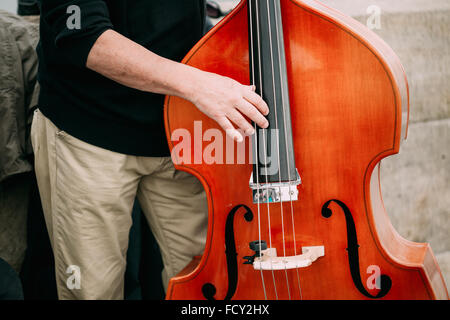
(18, 97)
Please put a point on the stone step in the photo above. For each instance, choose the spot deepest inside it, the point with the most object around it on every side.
(415, 185)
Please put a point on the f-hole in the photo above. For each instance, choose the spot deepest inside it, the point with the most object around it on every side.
(208, 289)
(352, 250)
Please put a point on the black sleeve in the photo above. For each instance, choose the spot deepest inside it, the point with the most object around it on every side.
(75, 43)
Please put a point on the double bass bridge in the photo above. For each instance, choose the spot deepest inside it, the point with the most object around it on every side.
(267, 259)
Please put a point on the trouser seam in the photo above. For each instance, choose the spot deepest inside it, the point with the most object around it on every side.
(56, 221)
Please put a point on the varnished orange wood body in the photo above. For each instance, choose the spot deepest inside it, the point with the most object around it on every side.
(349, 108)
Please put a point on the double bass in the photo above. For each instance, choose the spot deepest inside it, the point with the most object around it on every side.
(295, 211)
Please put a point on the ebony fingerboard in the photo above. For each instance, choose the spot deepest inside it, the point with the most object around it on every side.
(273, 147)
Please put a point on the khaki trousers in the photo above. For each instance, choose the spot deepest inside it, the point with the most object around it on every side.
(87, 195)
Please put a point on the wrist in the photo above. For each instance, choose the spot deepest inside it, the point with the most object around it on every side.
(189, 83)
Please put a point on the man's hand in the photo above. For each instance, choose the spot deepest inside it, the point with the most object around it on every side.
(222, 99)
(226, 101)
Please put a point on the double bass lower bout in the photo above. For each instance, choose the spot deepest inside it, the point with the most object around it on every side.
(259, 247)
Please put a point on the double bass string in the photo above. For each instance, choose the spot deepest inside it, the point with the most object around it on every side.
(285, 133)
(264, 145)
(278, 139)
(256, 141)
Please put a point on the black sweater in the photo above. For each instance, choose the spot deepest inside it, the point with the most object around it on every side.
(91, 107)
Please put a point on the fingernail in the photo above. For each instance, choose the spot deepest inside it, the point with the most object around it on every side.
(266, 124)
(250, 132)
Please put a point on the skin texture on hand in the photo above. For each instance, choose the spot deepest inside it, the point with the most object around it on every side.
(223, 99)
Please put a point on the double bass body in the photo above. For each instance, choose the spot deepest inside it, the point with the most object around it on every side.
(348, 99)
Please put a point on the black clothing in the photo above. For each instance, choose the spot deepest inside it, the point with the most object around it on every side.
(91, 107)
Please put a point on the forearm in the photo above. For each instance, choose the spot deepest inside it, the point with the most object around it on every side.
(126, 62)
(221, 98)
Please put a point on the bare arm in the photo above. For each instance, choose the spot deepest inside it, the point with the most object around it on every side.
(221, 98)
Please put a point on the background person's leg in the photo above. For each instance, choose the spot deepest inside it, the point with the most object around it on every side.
(10, 286)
